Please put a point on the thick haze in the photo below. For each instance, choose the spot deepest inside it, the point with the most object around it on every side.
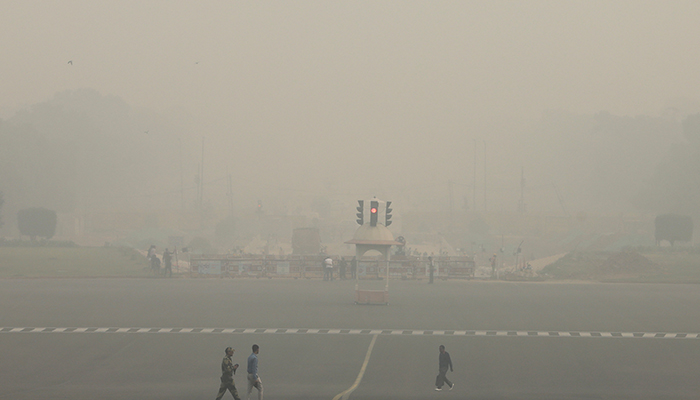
(346, 100)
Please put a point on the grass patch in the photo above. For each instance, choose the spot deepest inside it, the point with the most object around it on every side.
(29, 262)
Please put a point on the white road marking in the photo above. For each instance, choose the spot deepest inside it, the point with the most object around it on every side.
(346, 331)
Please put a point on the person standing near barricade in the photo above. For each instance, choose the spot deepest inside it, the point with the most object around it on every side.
(328, 268)
(151, 252)
(168, 262)
(228, 369)
(254, 380)
(493, 266)
(431, 268)
(323, 268)
(445, 362)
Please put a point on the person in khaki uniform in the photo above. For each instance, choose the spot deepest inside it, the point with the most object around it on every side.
(228, 369)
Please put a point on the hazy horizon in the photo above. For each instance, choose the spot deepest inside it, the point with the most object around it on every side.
(351, 100)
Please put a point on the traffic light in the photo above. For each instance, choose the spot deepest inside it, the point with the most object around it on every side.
(387, 215)
(373, 210)
(361, 212)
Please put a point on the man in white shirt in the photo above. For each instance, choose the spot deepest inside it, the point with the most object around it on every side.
(328, 269)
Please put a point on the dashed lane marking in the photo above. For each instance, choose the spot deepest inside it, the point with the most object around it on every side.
(372, 332)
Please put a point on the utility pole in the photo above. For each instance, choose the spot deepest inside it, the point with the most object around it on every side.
(198, 182)
(485, 201)
(521, 203)
(451, 192)
(230, 195)
(201, 180)
(182, 177)
(561, 200)
(474, 181)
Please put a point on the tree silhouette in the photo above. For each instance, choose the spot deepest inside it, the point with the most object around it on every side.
(37, 222)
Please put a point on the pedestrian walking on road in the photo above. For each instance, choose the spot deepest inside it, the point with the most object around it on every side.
(445, 362)
(254, 380)
(228, 369)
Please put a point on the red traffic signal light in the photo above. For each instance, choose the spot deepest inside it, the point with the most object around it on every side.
(374, 206)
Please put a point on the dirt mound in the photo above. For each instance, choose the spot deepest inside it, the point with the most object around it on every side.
(626, 262)
(600, 265)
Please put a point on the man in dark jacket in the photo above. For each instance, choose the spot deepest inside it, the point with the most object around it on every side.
(227, 371)
(445, 363)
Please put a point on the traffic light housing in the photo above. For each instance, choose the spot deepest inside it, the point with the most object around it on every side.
(361, 212)
(388, 215)
(373, 212)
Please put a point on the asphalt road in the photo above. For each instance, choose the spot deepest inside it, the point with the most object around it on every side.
(507, 340)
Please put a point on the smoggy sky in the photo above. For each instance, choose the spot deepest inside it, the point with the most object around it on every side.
(288, 86)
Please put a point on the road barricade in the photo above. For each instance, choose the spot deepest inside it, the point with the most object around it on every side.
(310, 267)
